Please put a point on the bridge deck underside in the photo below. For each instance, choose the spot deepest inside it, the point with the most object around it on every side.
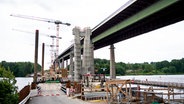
(165, 17)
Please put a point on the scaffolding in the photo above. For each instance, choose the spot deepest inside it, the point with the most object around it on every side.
(118, 91)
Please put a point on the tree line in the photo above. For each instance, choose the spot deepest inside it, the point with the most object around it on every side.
(102, 66)
(19, 69)
(175, 66)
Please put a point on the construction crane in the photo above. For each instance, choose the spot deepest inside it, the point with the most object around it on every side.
(51, 36)
(57, 22)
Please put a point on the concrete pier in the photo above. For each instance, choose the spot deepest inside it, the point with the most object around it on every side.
(87, 65)
(71, 69)
(77, 54)
(66, 67)
(62, 64)
(86, 61)
(112, 63)
(92, 60)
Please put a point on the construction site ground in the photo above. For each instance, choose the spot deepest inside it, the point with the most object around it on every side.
(51, 94)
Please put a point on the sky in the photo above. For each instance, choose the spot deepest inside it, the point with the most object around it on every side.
(162, 44)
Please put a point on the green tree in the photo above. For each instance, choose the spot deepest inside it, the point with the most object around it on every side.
(163, 67)
(165, 70)
(19, 69)
(178, 65)
(148, 68)
(8, 90)
(120, 70)
(172, 69)
(100, 64)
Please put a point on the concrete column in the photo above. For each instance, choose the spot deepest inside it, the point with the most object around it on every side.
(86, 63)
(66, 64)
(112, 63)
(62, 63)
(77, 54)
(59, 64)
(71, 66)
(92, 59)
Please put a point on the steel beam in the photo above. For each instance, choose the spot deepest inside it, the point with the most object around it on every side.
(135, 18)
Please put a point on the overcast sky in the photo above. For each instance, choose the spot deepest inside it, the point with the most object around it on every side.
(162, 44)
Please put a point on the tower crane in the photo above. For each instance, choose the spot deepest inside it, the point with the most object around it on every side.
(57, 22)
(51, 36)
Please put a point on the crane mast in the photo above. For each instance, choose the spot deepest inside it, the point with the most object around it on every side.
(57, 22)
(57, 40)
(51, 36)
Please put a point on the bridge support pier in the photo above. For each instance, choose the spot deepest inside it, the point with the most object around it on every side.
(88, 57)
(66, 64)
(77, 54)
(62, 63)
(92, 59)
(112, 63)
(87, 53)
(71, 66)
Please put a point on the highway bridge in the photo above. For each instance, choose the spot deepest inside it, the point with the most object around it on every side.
(134, 18)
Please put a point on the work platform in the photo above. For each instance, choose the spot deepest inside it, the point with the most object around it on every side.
(160, 84)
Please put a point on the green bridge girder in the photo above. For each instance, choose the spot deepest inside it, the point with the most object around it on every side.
(135, 18)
